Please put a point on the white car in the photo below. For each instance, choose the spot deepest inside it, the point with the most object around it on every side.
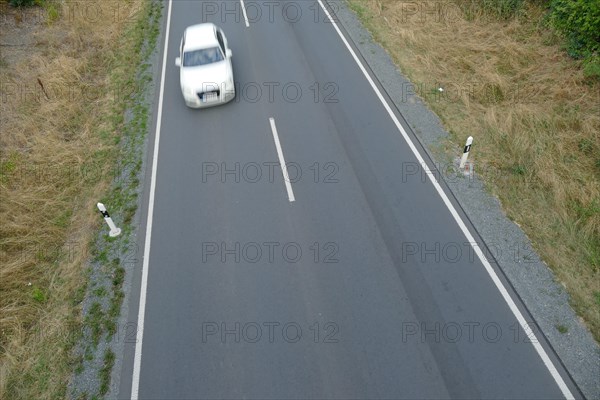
(205, 70)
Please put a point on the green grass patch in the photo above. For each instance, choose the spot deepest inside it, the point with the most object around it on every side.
(109, 361)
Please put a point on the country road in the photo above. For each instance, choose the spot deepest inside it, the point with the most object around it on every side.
(359, 278)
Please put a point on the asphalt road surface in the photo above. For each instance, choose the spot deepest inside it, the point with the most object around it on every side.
(365, 286)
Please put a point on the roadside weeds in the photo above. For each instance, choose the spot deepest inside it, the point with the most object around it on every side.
(73, 124)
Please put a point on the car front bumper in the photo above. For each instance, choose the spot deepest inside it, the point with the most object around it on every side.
(198, 101)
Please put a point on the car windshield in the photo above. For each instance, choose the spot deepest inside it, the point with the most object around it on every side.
(203, 56)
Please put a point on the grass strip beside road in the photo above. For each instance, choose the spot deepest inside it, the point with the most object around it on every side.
(65, 139)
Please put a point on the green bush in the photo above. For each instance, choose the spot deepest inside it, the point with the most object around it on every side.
(24, 3)
(579, 22)
(591, 67)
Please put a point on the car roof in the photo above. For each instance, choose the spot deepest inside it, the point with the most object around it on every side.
(200, 36)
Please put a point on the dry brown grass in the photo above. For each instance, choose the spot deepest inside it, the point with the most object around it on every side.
(535, 120)
(54, 166)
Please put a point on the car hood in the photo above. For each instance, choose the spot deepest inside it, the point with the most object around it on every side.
(201, 77)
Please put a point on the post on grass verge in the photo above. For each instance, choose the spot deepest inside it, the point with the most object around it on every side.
(114, 231)
(465, 155)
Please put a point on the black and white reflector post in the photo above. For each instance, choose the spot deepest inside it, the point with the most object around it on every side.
(465, 155)
(114, 231)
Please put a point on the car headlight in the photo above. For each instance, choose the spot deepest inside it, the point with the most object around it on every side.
(229, 85)
(187, 91)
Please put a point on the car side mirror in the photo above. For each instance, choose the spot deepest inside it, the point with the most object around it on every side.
(178, 62)
(228, 53)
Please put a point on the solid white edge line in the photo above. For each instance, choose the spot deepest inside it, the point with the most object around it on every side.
(511, 304)
(244, 12)
(286, 177)
(135, 383)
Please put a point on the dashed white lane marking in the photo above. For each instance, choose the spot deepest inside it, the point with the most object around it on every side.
(244, 12)
(286, 177)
